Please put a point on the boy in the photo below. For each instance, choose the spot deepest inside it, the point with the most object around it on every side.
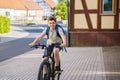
(55, 43)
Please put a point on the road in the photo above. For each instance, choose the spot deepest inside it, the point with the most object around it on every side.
(20, 46)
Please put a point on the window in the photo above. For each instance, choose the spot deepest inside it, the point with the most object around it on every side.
(7, 13)
(108, 7)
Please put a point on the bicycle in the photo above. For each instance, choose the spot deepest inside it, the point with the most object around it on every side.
(49, 64)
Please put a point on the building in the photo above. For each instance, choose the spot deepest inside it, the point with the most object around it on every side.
(21, 10)
(94, 23)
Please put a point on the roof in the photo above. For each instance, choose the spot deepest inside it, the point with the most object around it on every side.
(31, 5)
(12, 4)
(51, 3)
(19, 4)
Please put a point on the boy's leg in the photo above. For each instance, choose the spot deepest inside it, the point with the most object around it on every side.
(56, 56)
(57, 60)
(56, 51)
(45, 58)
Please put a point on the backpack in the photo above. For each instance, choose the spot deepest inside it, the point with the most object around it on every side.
(57, 33)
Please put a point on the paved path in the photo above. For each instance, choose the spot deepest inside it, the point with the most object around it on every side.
(85, 63)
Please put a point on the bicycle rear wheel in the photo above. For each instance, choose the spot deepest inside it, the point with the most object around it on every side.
(42, 76)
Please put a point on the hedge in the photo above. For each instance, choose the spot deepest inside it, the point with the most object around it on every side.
(30, 23)
(4, 24)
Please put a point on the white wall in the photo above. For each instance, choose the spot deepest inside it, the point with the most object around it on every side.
(9, 11)
(35, 14)
(17, 15)
(13, 14)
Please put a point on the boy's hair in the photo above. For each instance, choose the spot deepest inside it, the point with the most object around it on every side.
(51, 18)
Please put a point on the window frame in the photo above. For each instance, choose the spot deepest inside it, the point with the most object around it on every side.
(113, 12)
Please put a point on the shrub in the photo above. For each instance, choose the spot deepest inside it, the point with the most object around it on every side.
(30, 23)
(4, 24)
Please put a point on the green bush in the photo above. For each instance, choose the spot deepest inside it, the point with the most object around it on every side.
(4, 24)
(30, 23)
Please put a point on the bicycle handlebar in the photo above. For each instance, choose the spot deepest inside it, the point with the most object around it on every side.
(43, 46)
(38, 46)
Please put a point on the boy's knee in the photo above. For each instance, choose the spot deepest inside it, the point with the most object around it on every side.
(56, 50)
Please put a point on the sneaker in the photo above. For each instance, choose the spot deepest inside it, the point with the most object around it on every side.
(58, 71)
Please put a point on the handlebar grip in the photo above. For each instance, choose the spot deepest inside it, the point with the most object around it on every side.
(30, 45)
(37, 46)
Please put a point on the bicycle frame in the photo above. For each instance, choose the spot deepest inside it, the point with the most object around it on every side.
(50, 63)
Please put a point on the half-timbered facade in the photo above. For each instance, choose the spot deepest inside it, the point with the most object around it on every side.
(94, 23)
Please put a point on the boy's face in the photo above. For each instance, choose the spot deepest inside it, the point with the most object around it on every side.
(52, 23)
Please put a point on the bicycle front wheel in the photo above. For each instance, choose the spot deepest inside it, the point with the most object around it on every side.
(41, 74)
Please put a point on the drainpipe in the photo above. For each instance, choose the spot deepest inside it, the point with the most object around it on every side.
(68, 34)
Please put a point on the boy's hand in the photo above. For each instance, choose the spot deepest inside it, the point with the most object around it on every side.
(63, 45)
(31, 44)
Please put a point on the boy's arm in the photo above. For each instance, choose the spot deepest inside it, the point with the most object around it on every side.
(63, 38)
(37, 39)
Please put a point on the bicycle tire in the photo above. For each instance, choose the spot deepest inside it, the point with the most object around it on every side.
(52, 68)
(40, 73)
(54, 76)
(57, 77)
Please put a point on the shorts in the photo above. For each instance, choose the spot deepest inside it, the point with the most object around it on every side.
(49, 49)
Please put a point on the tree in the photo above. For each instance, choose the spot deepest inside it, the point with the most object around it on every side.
(61, 10)
(65, 1)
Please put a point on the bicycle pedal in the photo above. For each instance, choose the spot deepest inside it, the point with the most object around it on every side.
(58, 72)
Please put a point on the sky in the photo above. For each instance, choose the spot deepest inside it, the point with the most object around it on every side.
(55, 1)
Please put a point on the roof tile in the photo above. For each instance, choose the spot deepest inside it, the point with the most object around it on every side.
(19, 4)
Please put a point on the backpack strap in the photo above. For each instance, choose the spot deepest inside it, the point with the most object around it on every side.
(47, 31)
(57, 31)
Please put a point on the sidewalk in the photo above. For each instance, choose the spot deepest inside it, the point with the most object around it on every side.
(80, 63)
(14, 34)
